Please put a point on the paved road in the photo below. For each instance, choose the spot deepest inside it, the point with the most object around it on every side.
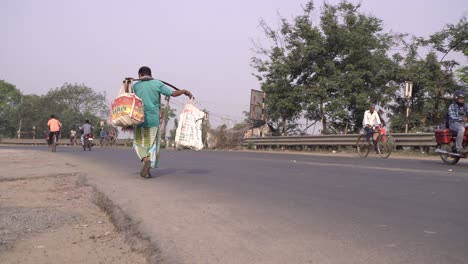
(235, 207)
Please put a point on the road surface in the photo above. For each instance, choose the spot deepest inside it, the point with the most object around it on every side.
(249, 207)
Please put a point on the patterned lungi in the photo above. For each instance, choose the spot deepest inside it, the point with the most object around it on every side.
(146, 142)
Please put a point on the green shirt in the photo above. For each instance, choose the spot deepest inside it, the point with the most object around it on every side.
(150, 93)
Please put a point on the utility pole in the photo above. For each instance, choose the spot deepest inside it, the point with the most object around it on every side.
(408, 95)
(263, 112)
(19, 128)
(165, 118)
(205, 128)
(21, 118)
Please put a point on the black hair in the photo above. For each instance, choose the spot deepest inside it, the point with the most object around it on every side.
(144, 71)
(52, 116)
(86, 121)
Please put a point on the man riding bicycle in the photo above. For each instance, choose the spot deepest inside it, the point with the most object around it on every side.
(54, 128)
(371, 119)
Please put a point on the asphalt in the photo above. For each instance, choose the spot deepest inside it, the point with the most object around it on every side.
(250, 207)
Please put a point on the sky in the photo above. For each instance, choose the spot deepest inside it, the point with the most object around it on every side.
(204, 46)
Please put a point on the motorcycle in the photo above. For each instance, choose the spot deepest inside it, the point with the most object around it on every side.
(88, 141)
(446, 145)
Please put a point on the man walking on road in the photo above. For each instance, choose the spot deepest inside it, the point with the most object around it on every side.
(147, 135)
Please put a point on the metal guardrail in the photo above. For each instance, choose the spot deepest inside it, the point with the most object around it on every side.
(62, 141)
(401, 139)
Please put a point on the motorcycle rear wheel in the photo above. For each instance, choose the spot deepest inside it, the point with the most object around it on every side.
(447, 159)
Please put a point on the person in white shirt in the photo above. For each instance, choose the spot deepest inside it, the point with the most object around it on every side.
(371, 119)
(72, 137)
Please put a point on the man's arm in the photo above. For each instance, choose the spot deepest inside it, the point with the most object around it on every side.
(466, 111)
(181, 92)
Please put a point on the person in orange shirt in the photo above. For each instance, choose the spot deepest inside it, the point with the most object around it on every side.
(54, 128)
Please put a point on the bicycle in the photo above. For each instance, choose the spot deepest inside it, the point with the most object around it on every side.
(384, 144)
(52, 141)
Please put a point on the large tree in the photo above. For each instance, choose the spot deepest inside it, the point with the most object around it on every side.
(328, 72)
(80, 99)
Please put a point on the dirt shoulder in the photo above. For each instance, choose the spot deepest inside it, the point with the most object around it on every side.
(48, 215)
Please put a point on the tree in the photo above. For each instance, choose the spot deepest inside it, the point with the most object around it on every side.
(72, 104)
(282, 99)
(433, 77)
(173, 131)
(206, 127)
(80, 99)
(328, 72)
(462, 74)
(167, 114)
(450, 38)
(33, 116)
(10, 100)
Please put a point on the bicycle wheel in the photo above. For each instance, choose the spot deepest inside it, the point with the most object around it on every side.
(54, 143)
(363, 146)
(385, 146)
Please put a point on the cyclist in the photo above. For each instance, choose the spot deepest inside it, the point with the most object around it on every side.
(371, 119)
(458, 115)
(54, 128)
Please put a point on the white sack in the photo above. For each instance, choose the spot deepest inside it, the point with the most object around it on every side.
(189, 129)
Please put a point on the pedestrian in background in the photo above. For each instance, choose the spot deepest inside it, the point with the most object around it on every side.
(102, 137)
(72, 137)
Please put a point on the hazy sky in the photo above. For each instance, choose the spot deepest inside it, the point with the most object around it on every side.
(203, 46)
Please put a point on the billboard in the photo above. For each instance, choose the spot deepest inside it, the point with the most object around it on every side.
(257, 105)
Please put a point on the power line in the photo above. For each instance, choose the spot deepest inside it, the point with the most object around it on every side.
(210, 112)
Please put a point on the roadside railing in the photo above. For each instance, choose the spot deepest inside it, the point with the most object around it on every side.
(401, 139)
(62, 141)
